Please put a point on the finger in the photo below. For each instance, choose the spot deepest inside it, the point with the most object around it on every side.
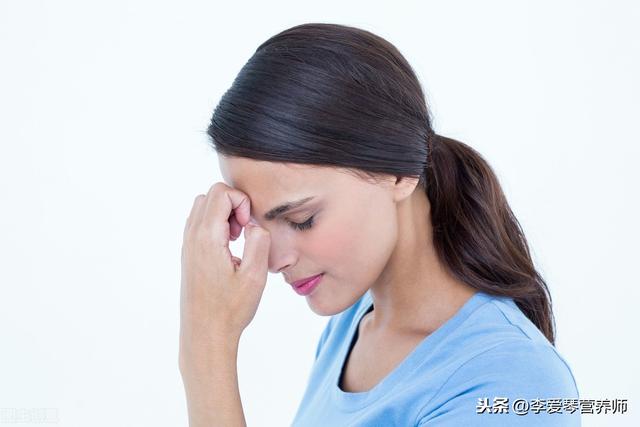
(255, 260)
(235, 227)
(221, 200)
(186, 227)
(195, 212)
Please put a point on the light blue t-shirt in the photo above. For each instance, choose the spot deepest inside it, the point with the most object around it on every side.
(456, 376)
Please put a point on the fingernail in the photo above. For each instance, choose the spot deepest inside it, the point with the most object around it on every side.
(252, 221)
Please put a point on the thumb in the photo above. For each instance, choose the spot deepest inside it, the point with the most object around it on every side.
(255, 257)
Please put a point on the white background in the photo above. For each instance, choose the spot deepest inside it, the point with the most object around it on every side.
(103, 110)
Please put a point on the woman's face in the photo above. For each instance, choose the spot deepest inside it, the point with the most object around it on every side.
(349, 232)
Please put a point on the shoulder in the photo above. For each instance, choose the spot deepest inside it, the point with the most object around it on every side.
(507, 349)
(518, 371)
(519, 365)
(498, 353)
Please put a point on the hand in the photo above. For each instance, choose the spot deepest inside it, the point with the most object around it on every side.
(220, 293)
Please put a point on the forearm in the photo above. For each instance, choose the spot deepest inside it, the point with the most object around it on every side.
(211, 385)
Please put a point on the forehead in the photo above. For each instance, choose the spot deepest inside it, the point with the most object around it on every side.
(269, 183)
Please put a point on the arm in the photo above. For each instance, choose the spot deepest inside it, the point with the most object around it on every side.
(219, 296)
(211, 385)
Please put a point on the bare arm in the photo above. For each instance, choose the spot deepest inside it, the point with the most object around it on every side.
(211, 385)
(219, 296)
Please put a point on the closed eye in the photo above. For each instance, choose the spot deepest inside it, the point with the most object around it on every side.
(303, 225)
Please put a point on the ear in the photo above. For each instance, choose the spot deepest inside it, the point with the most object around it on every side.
(403, 187)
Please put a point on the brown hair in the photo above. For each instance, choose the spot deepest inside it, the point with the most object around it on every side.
(335, 95)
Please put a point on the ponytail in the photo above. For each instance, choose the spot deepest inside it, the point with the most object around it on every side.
(477, 235)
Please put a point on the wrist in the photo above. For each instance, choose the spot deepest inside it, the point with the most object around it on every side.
(200, 358)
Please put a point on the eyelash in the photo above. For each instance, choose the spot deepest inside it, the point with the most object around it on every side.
(304, 225)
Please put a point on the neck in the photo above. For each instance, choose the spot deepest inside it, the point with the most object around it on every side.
(415, 293)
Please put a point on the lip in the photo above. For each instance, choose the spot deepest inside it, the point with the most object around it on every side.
(306, 286)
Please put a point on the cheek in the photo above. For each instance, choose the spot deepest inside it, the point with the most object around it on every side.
(358, 246)
(334, 239)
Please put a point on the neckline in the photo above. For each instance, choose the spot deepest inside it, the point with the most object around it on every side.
(354, 337)
(352, 401)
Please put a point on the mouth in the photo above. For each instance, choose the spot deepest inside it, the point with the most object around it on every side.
(306, 286)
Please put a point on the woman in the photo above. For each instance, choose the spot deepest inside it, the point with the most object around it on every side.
(402, 236)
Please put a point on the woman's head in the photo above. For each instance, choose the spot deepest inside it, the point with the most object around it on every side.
(336, 112)
(344, 227)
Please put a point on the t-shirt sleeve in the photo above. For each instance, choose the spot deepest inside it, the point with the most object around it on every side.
(518, 383)
(323, 336)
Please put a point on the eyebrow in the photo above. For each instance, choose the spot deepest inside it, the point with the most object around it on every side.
(285, 207)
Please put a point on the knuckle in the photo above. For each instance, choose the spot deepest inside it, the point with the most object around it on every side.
(218, 191)
(217, 187)
(197, 199)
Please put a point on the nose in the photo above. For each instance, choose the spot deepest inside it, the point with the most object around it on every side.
(282, 255)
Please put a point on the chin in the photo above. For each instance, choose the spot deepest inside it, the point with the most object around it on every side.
(328, 306)
(321, 309)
